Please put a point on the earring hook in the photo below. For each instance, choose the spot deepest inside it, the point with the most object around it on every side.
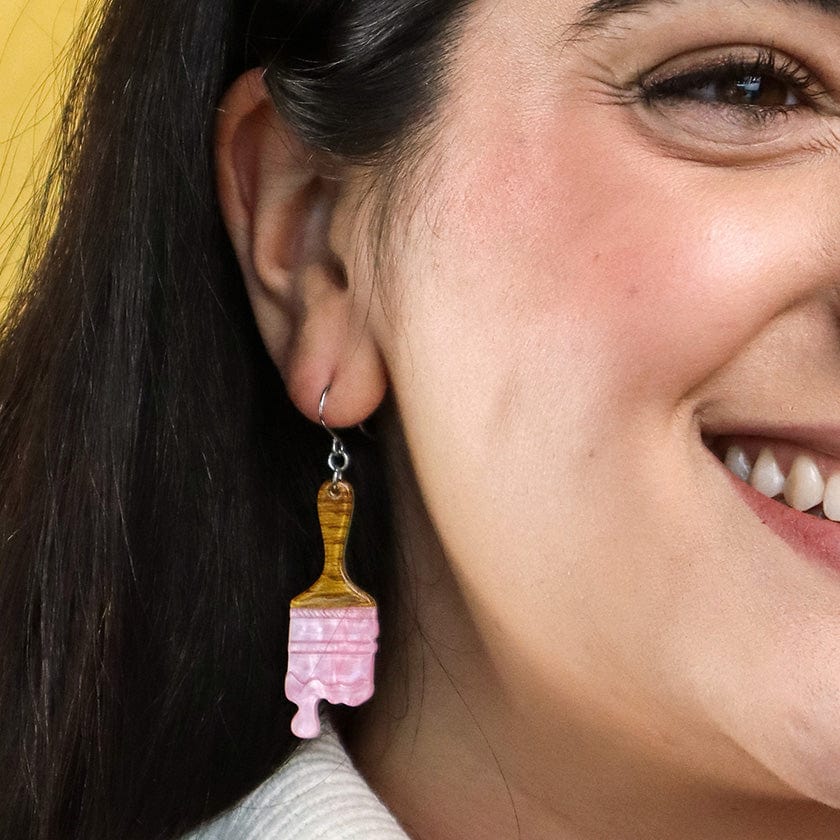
(338, 460)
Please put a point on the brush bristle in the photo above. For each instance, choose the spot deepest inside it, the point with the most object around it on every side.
(331, 657)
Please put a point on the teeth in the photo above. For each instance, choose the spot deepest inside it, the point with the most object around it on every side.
(738, 463)
(804, 487)
(766, 476)
(831, 498)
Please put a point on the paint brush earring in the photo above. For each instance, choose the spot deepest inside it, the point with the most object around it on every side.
(333, 625)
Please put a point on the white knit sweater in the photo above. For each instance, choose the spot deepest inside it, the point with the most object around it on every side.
(316, 795)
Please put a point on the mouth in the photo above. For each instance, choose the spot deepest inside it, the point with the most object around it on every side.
(791, 483)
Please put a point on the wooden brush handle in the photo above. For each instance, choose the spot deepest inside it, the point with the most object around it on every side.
(334, 588)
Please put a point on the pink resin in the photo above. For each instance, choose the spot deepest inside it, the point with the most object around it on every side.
(331, 654)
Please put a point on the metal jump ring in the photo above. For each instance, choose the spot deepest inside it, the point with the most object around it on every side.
(338, 460)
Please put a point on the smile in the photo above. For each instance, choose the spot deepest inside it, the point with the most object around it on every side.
(792, 488)
(791, 475)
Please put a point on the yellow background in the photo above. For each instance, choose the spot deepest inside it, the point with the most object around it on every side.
(33, 35)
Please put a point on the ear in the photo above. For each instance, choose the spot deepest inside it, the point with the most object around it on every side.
(278, 208)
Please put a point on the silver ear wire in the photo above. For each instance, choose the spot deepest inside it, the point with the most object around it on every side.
(338, 460)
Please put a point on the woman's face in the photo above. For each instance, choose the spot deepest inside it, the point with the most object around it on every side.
(624, 245)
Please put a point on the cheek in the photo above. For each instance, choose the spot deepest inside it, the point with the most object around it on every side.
(560, 300)
(659, 270)
(557, 303)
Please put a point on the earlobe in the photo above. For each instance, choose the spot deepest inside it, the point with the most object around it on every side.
(278, 209)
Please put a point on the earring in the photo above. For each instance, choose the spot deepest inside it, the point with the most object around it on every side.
(333, 625)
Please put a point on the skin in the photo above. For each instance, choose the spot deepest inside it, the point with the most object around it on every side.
(600, 638)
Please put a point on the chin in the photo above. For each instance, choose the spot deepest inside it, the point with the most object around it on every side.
(794, 734)
(811, 766)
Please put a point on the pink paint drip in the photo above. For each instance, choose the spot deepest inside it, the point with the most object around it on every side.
(331, 656)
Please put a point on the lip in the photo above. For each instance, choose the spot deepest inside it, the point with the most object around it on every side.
(817, 539)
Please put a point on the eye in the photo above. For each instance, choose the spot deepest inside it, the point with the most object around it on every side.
(744, 88)
(761, 83)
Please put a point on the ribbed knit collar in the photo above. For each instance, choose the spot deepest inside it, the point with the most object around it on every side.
(316, 795)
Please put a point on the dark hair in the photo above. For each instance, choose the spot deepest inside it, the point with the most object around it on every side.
(157, 504)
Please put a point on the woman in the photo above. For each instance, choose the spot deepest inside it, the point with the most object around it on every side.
(562, 260)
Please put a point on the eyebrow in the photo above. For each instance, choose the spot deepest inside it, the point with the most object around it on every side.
(598, 13)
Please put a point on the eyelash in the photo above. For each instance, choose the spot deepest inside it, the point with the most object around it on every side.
(766, 64)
